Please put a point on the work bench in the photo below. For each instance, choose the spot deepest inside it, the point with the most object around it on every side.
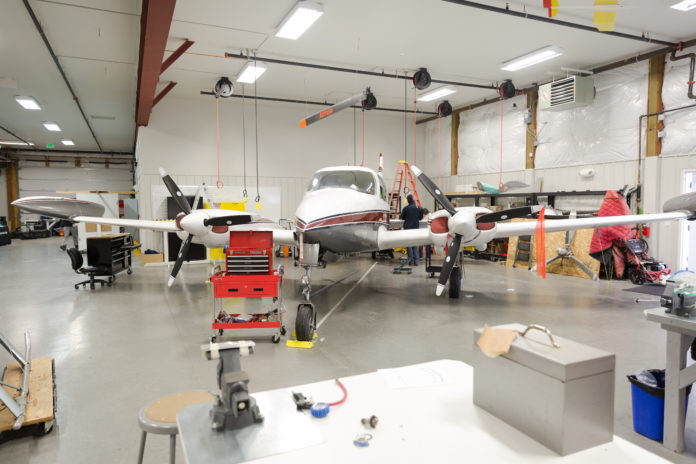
(434, 422)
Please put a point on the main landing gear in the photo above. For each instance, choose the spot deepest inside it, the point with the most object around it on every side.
(306, 321)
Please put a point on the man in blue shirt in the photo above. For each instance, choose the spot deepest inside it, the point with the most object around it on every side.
(411, 215)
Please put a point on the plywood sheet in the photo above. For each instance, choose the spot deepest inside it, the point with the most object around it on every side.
(105, 228)
(555, 240)
(40, 398)
(89, 227)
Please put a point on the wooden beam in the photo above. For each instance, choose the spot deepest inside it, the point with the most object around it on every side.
(78, 162)
(656, 75)
(155, 20)
(12, 195)
(176, 54)
(454, 153)
(164, 92)
(532, 104)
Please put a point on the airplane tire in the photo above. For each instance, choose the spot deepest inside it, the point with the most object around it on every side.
(304, 323)
(455, 282)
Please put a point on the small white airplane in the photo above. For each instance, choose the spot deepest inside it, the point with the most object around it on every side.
(344, 211)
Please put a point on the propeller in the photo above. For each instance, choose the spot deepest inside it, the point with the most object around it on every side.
(175, 192)
(183, 253)
(508, 214)
(454, 247)
(227, 220)
(458, 220)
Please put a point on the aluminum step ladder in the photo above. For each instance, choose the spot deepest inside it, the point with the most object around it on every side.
(523, 252)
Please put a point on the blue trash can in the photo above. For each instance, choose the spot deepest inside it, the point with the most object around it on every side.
(649, 405)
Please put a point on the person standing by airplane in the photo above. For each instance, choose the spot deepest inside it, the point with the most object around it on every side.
(68, 229)
(411, 215)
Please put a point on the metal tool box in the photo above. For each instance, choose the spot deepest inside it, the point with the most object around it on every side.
(561, 397)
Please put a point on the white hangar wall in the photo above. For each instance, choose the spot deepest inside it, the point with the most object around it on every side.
(181, 138)
(602, 136)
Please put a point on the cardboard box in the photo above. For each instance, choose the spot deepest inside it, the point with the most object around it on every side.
(563, 398)
(151, 258)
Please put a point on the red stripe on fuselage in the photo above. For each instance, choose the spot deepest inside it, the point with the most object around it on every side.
(351, 218)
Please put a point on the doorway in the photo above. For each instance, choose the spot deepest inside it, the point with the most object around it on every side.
(687, 255)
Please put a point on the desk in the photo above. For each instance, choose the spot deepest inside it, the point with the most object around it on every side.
(680, 333)
(437, 423)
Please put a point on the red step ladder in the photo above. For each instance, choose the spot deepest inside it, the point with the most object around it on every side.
(403, 179)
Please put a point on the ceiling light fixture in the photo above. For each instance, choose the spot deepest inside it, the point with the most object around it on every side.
(436, 94)
(532, 58)
(302, 15)
(28, 103)
(684, 5)
(251, 71)
(67, 142)
(51, 126)
(12, 142)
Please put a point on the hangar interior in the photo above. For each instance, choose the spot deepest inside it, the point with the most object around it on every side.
(124, 109)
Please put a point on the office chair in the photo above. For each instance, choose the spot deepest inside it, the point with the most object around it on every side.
(91, 271)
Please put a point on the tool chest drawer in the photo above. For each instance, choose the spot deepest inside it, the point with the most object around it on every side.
(246, 286)
(247, 264)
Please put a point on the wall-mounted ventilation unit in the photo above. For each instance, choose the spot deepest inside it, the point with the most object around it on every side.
(567, 93)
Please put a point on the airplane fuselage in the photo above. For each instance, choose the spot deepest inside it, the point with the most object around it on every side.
(343, 209)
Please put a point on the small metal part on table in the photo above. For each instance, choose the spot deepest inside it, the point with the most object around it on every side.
(370, 421)
(362, 440)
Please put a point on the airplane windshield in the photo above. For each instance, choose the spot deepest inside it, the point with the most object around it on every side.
(360, 181)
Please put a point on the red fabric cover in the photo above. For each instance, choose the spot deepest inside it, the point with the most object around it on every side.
(613, 205)
(540, 235)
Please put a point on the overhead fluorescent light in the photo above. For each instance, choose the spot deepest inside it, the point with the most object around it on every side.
(52, 126)
(532, 58)
(13, 142)
(684, 5)
(28, 103)
(302, 15)
(67, 142)
(251, 71)
(437, 93)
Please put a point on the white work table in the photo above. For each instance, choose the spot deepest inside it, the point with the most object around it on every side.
(680, 333)
(434, 423)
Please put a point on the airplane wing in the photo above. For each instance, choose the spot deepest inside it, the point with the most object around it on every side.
(164, 226)
(511, 229)
(387, 239)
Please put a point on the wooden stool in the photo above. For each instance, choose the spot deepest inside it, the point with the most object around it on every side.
(160, 417)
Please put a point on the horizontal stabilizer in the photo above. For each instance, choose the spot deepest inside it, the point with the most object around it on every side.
(58, 207)
(684, 202)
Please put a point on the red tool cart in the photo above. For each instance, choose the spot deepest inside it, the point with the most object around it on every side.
(250, 278)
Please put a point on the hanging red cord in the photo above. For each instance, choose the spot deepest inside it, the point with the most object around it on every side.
(217, 127)
(362, 163)
(415, 162)
(500, 179)
(439, 117)
(345, 394)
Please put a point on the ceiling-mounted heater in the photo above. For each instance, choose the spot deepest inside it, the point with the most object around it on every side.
(570, 92)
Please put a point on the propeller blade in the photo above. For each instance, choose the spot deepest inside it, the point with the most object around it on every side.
(228, 220)
(447, 266)
(434, 190)
(175, 192)
(183, 253)
(508, 214)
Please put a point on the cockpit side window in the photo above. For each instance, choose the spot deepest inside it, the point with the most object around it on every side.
(382, 189)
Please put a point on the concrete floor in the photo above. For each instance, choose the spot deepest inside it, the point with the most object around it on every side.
(116, 349)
